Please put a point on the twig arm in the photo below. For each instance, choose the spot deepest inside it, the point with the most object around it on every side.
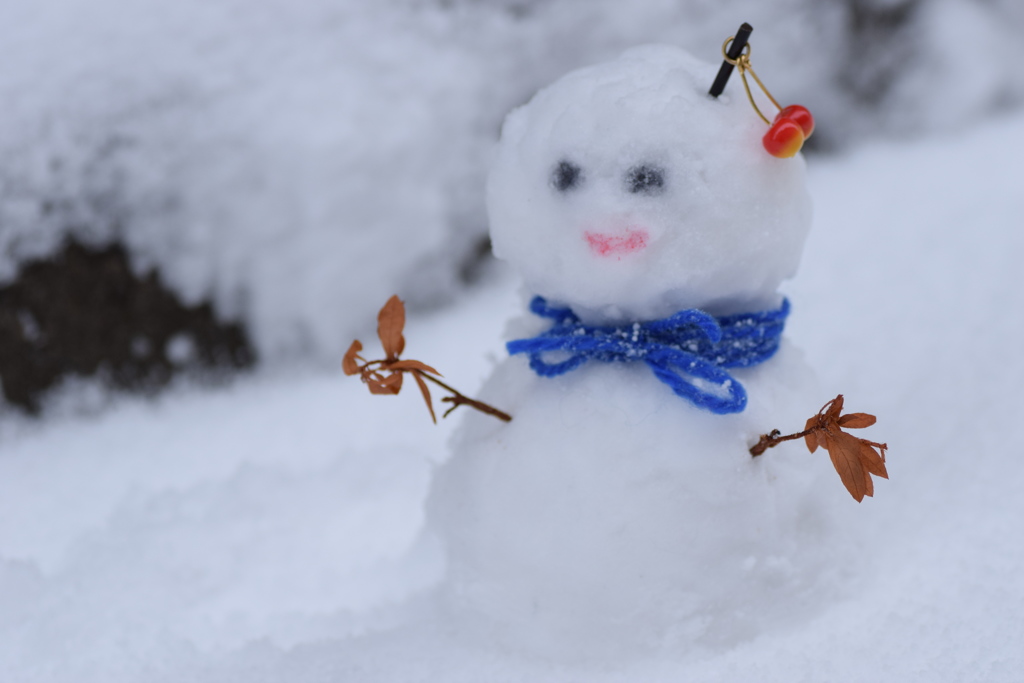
(774, 438)
(457, 399)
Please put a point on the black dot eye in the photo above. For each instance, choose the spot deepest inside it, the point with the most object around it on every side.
(566, 176)
(645, 179)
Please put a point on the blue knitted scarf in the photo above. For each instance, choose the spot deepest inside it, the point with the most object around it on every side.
(687, 351)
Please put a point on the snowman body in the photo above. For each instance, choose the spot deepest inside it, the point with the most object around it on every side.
(612, 513)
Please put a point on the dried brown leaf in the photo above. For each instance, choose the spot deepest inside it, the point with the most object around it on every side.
(844, 450)
(395, 381)
(413, 365)
(822, 440)
(391, 384)
(811, 439)
(855, 459)
(349, 364)
(856, 420)
(390, 323)
(384, 376)
(833, 408)
(872, 460)
(426, 394)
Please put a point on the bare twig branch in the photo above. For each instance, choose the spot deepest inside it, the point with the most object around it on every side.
(774, 438)
(457, 399)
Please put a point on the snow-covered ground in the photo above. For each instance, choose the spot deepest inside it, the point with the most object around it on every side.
(268, 531)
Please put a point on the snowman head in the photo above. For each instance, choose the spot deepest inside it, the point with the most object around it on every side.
(626, 192)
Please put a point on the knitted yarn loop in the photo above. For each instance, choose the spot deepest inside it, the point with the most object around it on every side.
(688, 350)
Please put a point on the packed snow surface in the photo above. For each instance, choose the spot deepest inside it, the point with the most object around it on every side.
(270, 531)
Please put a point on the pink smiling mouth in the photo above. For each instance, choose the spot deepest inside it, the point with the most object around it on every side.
(634, 239)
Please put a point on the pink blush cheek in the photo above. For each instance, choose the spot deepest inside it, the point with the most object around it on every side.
(617, 245)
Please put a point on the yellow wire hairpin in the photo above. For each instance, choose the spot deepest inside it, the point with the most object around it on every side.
(791, 126)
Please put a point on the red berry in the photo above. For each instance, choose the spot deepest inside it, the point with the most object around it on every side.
(800, 116)
(784, 138)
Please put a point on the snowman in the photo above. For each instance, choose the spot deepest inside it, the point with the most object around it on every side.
(620, 510)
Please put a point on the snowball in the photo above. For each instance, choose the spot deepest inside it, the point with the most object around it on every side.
(610, 516)
(627, 192)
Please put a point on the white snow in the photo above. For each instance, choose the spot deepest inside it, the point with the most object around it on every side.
(249, 533)
(627, 193)
(612, 517)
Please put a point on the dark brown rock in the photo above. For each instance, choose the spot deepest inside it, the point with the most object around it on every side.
(84, 312)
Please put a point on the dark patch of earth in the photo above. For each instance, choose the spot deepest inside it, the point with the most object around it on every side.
(85, 313)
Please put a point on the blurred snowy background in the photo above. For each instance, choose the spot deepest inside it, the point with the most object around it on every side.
(290, 165)
(293, 164)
